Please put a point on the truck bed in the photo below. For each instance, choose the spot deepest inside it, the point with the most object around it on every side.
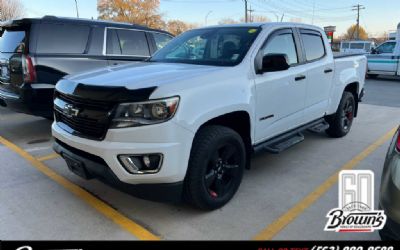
(342, 55)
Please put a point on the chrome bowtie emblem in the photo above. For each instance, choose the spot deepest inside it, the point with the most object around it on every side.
(70, 111)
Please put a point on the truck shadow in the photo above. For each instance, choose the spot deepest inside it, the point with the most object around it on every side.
(386, 79)
(24, 129)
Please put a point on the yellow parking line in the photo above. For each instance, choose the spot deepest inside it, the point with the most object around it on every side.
(275, 227)
(118, 218)
(48, 157)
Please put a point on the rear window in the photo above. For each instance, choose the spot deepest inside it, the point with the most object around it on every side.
(63, 38)
(12, 41)
(314, 46)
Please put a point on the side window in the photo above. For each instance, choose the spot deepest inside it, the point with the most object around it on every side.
(161, 39)
(133, 43)
(345, 45)
(282, 44)
(357, 46)
(386, 47)
(127, 42)
(313, 45)
(62, 38)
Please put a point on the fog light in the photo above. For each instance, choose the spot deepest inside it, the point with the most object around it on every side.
(141, 164)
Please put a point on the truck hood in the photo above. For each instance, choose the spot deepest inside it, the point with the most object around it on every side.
(143, 75)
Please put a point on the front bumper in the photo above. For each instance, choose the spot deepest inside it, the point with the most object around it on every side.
(169, 139)
(95, 167)
(32, 99)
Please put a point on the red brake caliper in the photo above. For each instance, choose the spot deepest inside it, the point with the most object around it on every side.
(213, 194)
(350, 115)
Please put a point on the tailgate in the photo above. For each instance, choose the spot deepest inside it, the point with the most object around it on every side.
(12, 48)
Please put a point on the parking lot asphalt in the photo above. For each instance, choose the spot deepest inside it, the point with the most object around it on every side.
(285, 196)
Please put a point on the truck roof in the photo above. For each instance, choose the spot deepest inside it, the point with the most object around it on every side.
(56, 19)
(265, 25)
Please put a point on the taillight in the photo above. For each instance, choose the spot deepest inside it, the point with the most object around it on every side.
(398, 141)
(28, 70)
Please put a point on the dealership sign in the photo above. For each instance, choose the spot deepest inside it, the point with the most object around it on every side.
(356, 204)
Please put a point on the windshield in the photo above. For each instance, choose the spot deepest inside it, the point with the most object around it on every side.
(215, 46)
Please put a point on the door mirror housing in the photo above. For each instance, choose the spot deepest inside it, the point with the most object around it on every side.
(273, 63)
(374, 51)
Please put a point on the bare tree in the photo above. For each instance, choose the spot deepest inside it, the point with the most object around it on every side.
(11, 9)
(258, 19)
(227, 21)
(254, 19)
(296, 20)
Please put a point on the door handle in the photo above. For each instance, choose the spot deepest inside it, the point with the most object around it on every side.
(299, 78)
(326, 71)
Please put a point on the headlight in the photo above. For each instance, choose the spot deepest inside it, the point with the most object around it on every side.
(144, 113)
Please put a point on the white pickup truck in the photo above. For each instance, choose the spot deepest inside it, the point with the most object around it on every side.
(185, 123)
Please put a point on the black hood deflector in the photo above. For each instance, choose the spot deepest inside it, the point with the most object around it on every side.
(115, 94)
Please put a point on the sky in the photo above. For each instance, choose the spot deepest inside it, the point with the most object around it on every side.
(379, 16)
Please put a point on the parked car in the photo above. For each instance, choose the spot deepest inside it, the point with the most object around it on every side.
(36, 53)
(187, 121)
(390, 191)
(385, 59)
(356, 47)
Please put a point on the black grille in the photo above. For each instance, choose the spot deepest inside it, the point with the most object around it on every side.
(92, 119)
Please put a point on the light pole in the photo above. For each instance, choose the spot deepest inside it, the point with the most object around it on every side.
(205, 19)
(76, 6)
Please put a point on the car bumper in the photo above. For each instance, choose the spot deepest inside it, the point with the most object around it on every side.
(169, 139)
(33, 99)
(390, 189)
(95, 167)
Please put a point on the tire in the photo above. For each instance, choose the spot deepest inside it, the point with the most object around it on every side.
(216, 166)
(340, 123)
(372, 76)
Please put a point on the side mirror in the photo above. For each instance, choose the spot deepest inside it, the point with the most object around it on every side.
(273, 63)
(374, 51)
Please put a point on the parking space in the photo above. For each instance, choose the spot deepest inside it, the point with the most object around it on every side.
(283, 196)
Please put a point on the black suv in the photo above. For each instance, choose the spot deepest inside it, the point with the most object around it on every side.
(37, 52)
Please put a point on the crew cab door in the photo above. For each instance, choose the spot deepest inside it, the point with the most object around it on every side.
(320, 72)
(280, 95)
(384, 59)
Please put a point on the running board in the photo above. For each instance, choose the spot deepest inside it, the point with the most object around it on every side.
(320, 127)
(284, 141)
(284, 144)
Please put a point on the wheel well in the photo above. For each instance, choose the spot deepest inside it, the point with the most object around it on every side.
(353, 88)
(239, 121)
